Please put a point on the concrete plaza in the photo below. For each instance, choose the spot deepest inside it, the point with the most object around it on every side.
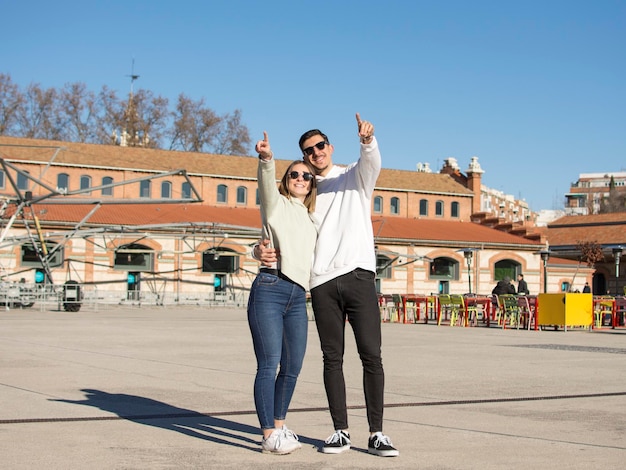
(171, 388)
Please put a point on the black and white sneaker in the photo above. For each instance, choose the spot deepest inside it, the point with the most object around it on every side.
(381, 445)
(336, 443)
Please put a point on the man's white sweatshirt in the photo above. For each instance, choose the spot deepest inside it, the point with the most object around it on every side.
(343, 217)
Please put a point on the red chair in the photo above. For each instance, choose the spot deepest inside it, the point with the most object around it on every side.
(619, 318)
(527, 311)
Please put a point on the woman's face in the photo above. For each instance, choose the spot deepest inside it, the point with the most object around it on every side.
(299, 186)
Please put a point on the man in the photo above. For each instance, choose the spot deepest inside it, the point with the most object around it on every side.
(343, 280)
(504, 286)
(522, 287)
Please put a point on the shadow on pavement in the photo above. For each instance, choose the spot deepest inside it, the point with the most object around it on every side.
(162, 415)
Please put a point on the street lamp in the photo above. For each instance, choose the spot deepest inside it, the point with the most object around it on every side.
(617, 253)
(545, 254)
(468, 253)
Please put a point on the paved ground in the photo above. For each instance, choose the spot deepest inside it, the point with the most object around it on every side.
(155, 388)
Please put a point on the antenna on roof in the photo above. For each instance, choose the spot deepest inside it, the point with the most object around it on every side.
(132, 76)
(133, 134)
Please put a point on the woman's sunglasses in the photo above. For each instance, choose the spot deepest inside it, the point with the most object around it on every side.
(306, 176)
(318, 146)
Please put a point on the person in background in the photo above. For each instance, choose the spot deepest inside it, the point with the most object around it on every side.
(504, 286)
(586, 289)
(522, 287)
(277, 314)
(343, 280)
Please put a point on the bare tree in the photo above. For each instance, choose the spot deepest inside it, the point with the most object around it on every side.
(79, 111)
(110, 116)
(590, 252)
(233, 138)
(195, 126)
(151, 118)
(75, 114)
(39, 118)
(10, 102)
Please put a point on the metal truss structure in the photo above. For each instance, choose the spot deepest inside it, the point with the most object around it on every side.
(20, 208)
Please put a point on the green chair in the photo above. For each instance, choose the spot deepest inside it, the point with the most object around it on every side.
(509, 311)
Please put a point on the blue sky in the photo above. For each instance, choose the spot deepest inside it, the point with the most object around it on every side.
(535, 89)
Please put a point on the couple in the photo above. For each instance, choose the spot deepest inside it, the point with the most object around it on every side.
(341, 277)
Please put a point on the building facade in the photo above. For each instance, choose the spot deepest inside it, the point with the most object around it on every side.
(588, 194)
(164, 224)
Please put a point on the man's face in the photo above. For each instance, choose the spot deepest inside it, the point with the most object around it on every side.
(320, 158)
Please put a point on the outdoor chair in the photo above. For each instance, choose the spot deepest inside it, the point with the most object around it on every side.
(526, 312)
(509, 311)
(620, 312)
(473, 310)
(445, 308)
(410, 310)
(388, 309)
(453, 307)
(401, 314)
(459, 309)
(603, 311)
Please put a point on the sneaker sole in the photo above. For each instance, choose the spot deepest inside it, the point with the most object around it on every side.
(335, 450)
(279, 452)
(383, 453)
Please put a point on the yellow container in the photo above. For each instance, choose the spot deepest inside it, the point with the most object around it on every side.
(565, 310)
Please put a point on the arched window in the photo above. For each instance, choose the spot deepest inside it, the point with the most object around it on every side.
(134, 257)
(185, 190)
(31, 254)
(242, 195)
(506, 268)
(257, 200)
(439, 208)
(85, 183)
(378, 204)
(444, 268)
(423, 207)
(454, 209)
(222, 193)
(166, 190)
(106, 181)
(63, 182)
(145, 188)
(395, 205)
(220, 260)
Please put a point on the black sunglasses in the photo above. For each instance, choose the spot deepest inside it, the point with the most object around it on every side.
(306, 176)
(318, 146)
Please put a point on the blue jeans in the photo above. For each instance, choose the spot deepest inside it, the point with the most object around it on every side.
(278, 322)
(351, 297)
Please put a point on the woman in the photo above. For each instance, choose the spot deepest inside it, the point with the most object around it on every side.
(277, 304)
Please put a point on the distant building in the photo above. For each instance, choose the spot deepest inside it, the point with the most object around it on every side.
(587, 194)
(490, 207)
(545, 216)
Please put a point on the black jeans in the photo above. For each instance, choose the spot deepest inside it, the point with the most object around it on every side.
(352, 297)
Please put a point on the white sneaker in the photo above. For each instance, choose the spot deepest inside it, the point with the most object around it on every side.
(279, 443)
(291, 436)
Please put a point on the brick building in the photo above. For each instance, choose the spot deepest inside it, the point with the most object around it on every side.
(184, 222)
